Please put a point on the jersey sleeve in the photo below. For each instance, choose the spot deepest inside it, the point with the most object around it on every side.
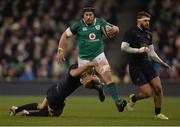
(74, 66)
(74, 27)
(128, 37)
(103, 22)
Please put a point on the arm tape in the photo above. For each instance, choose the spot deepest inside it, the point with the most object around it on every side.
(68, 32)
(125, 47)
(153, 56)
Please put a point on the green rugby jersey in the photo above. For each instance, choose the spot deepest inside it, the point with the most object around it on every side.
(89, 38)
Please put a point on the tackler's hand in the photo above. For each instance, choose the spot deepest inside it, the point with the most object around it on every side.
(86, 80)
(96, 79)
(92, 63)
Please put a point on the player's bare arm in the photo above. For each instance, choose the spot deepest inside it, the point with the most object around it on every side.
(88, 79)
(62, 45)
(79, 70)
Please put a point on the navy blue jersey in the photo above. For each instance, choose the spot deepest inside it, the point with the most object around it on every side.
(68, 84)
(138, 38)
(57, 93)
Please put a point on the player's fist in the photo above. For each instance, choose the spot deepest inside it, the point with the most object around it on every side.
(92, 63)
(60, 57)
(113, 30)
(87, 81)
(144, 50)
(96, 79)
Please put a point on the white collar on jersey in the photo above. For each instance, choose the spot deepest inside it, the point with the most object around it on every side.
(139, 27)
(94, 22)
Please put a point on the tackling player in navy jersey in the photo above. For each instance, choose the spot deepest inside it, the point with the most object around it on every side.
(54, 102)
(138, 43)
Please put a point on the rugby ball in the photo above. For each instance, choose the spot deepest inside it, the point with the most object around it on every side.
(105, 30)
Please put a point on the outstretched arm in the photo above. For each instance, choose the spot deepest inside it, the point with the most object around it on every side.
(153, 56)
(62, 43)
(79, 70)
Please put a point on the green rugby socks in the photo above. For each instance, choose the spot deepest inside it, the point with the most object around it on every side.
(113, 91)
(98, 86)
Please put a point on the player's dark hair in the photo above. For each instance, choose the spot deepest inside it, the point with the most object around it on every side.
(142, 14)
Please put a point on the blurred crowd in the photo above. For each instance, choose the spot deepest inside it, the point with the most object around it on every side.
(30, 31)
(166, 34)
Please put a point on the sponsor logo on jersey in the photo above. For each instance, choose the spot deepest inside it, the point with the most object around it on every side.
(84, 28)
(97, 27)
(92, 36)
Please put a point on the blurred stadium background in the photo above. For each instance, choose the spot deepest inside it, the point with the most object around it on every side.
(30, 31)
(29, 35)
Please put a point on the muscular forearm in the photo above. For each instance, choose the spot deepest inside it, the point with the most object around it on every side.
(62, 41)
(79, 70)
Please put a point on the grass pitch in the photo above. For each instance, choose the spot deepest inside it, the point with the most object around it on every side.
(88, 111)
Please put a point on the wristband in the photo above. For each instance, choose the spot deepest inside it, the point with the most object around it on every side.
(60, 50)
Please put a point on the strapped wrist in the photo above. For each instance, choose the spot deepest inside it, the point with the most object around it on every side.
(60, 50)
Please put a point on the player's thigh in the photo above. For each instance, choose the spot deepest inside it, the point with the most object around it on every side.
(146, 89)
(103, 64)
(156, 84)
(82, 62)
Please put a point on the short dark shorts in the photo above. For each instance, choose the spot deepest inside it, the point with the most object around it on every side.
(141, 75)
(54, 98)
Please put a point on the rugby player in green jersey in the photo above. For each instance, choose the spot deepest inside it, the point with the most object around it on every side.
(89, 35)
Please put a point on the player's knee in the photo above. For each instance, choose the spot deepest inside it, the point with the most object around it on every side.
(55, 113)
(106, 74)
(158, 90)
(58, 113)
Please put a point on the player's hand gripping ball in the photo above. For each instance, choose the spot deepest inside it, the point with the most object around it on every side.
(107, 31)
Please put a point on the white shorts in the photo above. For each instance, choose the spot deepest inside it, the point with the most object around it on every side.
(101, 60)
